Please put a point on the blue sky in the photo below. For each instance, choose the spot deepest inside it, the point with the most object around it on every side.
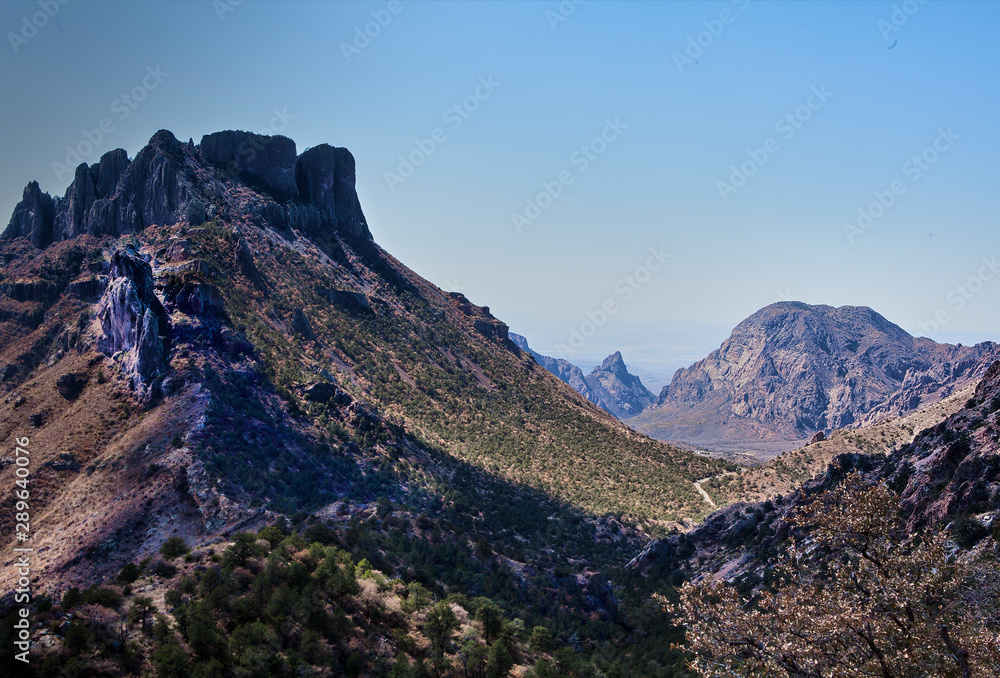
(868, 86)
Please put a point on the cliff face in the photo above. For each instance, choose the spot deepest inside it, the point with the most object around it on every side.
(133, 321)
(169, 182)
(792, 369)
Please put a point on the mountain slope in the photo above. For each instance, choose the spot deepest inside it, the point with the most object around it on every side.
(792, 369)
(790, 470)
(610, 386)
(197, 347)
(948, 476)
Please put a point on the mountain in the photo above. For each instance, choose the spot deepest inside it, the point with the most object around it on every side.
(791, 370)
(610, 386)
(948, 473)
(203, 347)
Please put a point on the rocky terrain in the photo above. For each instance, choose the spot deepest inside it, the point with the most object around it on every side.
(610, 386)
(949, 476)
(790, 470)
(792, 370)
(206, 340)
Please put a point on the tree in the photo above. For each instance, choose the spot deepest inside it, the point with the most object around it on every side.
(173, 547)
(871, 600)
(140, 610)
(490, 616)
(541, 640)
(439, 628)
(243, 548)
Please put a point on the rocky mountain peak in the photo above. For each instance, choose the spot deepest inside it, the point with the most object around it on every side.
(171, 182)
(610, 386)
(792, 369)
(613, 363)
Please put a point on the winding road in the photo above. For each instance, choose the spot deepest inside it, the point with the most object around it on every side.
(704, 494)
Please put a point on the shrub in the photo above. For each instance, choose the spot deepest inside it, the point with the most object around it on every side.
(967, 531)
(173, 547)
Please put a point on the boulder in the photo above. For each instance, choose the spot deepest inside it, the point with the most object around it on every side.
(327, 392)
(71, 384)
(301, 325)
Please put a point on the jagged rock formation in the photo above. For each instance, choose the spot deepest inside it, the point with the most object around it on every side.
(620, 393)
(133, 321)
(792, 369)
(33, 217)
(610, 386)
(170, 182)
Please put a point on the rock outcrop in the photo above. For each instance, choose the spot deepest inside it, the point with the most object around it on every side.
(33, 217)
(133, 322)
(792, 369)
(169, 182)
(266, 160)
(326, 179)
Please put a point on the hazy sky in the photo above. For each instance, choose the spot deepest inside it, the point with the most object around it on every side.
(696, 161)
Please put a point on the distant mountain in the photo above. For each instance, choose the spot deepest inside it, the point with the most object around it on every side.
(610, 386)
(792, 369)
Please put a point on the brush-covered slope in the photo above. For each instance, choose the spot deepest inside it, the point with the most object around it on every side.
(192, 345)
(792, 369)
(947, 477)
(791, 470)
(610, 385)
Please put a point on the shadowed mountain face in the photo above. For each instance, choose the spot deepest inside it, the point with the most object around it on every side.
(610, 386)
(792, 369)
(207, 337)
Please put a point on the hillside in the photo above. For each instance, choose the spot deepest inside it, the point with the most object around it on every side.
(206, 339)
(791, 370)
(947, 477)
(790, 470)
(610, 385)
